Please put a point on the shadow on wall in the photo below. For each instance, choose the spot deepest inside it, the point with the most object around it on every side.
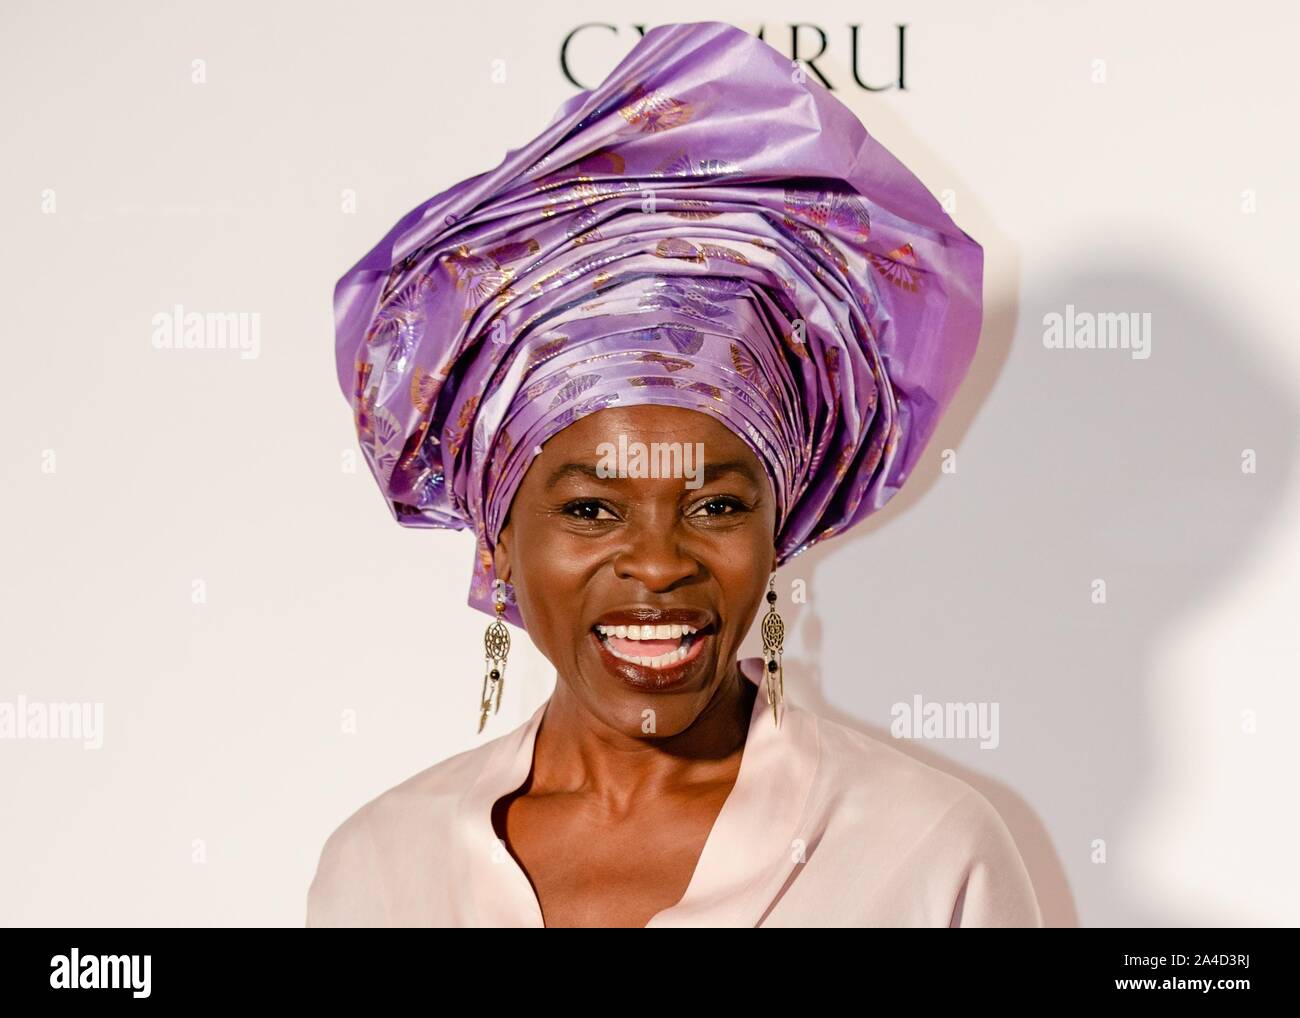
(1079, 465)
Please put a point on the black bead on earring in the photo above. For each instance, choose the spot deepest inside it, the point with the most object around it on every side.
(496, 644)
(773, 630)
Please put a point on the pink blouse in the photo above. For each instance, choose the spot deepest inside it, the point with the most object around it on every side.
(825, 826)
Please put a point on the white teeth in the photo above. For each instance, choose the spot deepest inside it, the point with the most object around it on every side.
(669, 632)
(649, 632)
(663, 661)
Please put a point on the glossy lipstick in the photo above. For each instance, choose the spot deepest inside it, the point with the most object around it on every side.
(684, 628)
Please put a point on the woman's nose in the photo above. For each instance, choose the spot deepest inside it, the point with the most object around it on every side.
(656, 557)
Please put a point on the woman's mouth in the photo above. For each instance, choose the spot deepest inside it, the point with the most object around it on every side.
(656, 647)
(652, 656)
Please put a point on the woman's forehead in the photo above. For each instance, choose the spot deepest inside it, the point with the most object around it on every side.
(643, 423)
(644, 446)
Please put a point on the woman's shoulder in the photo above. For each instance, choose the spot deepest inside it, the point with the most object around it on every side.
(370, 843)
(877, 781)
(947, 837)
(423, 796)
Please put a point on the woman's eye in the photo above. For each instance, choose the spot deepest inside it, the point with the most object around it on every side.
(585, 510)
(590, 510)
(722, 504)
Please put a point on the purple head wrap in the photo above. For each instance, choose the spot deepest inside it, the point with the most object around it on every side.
(705, 229)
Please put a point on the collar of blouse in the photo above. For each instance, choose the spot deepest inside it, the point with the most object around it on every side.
(752, 849)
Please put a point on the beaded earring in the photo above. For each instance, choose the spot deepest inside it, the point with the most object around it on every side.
(496, 644)
(773, 630)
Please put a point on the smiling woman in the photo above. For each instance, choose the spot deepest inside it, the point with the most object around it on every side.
(707, 253)
(605, 569)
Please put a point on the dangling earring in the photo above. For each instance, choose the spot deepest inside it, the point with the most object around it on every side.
(496, 643)
(773, 630)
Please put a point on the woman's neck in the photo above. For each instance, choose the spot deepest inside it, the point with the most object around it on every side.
(581, 747)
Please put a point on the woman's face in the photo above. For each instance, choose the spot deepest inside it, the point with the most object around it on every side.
(584, 550)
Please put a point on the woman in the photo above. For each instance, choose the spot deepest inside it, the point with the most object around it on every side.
(700, 323)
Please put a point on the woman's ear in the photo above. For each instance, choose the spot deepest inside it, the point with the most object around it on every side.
(501, 555)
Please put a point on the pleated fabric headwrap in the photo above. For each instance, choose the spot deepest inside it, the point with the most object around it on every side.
(706, 229)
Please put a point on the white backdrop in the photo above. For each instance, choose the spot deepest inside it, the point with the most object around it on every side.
(185, 547)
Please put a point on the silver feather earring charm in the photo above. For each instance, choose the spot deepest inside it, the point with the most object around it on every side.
(773, 630)
(496, 645)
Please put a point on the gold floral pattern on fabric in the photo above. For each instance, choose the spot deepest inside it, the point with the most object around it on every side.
(655, 110)
(424, 388)
(487, 275)
(463, 419)
(747, 369)
(899, 267)
(668, 363)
